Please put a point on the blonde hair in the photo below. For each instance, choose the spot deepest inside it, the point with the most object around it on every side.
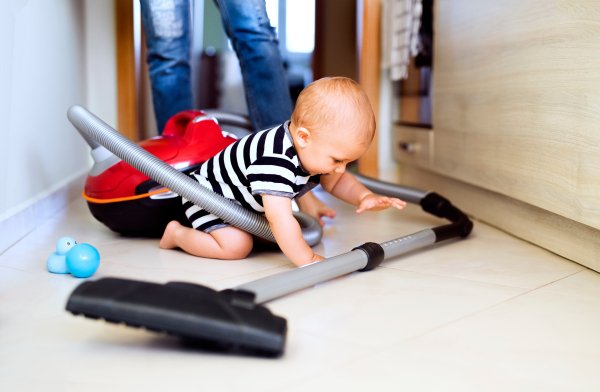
(334, 102)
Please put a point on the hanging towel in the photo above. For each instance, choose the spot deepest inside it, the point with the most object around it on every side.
(401, 20)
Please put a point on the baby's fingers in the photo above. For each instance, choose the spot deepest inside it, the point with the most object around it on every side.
(399, 204)
(387, 202)
(331, 213)
(390, 202)
(383, 201)
(365, 206)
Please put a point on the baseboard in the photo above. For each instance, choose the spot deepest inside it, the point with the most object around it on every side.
(40, 208)
(565, 237)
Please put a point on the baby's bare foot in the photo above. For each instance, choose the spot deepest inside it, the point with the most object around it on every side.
(168, 239)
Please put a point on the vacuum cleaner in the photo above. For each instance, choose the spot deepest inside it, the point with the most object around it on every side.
(234, 319)
(133, 204)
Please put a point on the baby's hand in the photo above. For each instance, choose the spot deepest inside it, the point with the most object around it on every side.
(315, 257)
(314, 207)
(377, 203)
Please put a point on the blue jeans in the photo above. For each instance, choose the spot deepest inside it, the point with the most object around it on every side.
(168, 36)
(255, 43)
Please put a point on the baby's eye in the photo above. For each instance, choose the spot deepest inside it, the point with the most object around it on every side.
(337, 161)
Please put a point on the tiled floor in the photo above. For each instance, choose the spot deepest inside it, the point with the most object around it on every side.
(490, 313)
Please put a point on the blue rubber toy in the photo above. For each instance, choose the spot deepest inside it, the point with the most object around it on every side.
(64, 244)
(57, 262)
(83, 260)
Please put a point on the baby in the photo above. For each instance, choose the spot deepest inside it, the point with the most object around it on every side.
(332, 125)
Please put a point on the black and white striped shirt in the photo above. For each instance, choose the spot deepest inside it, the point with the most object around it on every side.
(264, 163)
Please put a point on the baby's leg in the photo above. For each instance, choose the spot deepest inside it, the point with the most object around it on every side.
(227, 243)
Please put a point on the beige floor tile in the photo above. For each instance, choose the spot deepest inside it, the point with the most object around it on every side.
(137, 258)
(489, 255)
(386, 306)
(538, 341)
(145, 254)
(447, 318)
(132, 259)
(74, 351)
(27, 297)
(245, 278)
(585, 284)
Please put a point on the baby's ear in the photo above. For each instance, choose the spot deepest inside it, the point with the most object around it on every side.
(302, 136)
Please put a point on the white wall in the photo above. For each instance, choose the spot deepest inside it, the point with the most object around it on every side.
(53, 54)
(101, 60)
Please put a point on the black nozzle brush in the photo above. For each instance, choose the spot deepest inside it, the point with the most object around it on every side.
(228, 319)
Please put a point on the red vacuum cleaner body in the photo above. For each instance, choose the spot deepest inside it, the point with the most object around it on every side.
(129, 202)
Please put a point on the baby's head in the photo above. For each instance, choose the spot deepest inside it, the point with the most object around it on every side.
(333, 124)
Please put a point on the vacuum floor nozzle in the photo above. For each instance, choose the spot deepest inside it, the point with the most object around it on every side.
(227, 320)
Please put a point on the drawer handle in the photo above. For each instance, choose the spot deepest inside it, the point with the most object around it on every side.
(408, 147)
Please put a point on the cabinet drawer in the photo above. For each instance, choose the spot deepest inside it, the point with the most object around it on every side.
(413, 145)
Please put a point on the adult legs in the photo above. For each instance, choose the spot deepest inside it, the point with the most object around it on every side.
(255, 43)
(168, 35)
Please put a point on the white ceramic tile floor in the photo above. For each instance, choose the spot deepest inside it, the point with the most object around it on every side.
(488, 313)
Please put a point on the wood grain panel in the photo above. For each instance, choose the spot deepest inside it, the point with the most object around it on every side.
(563, 236)
(410, 99)
(127, 113)
(517, 101)
(413, 145)
(368, 18)
(335, 39)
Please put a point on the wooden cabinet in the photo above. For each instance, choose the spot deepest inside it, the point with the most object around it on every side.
(516, 117)
(413, 145)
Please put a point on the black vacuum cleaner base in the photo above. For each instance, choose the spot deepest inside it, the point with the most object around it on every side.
(227, 320)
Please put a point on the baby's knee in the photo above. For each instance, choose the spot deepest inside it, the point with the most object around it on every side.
(239, 250)
(234, 243)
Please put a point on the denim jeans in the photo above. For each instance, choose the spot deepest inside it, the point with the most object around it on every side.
(255, 43)
(168, 36)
